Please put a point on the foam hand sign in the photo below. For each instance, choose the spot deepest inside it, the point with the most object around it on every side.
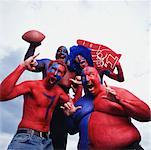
(103, 57)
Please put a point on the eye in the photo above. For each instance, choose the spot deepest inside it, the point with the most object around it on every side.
(52, 69)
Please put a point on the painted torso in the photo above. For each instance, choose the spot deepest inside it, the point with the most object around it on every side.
(109, 126)
(39, 106)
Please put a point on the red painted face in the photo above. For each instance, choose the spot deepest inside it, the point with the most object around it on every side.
(91, 80)
(55, 73)
(81, 61)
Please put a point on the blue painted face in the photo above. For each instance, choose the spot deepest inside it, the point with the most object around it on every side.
(56, 70)
(81, 61)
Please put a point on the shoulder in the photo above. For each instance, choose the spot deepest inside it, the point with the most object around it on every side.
(58, 89)
(124, 92)
(32, 83)
(44, 60)
(119, 89)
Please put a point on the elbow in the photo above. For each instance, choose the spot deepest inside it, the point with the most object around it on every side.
(146, 117)
(121, 79)
(3, 97)
(3, 94)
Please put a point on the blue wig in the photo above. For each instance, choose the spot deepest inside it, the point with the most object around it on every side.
(79, 50)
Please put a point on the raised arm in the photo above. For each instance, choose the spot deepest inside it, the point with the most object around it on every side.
(119, 76)
(77, 88)
(8, 86)
(31, 49)
(9, 82)
(41, 65)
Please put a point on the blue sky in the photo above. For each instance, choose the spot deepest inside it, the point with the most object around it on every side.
(122, 25)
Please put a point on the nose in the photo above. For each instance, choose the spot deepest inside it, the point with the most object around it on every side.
(56, 72)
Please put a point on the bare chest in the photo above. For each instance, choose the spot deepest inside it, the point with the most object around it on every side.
(42, 97)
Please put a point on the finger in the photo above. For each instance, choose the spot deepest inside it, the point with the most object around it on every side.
(78, 107)
(62, 107)
(78, 78)
(29, 67)
(34, 56)
(106, 84)
(76, 81)
(67, 106)
(105, 97)
(33, 68)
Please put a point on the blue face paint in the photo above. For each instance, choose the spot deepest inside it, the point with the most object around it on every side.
(58, 77)
(54, 70)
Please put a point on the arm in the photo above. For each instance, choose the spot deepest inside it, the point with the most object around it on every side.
(8, 87)
(133, 106)
(78, 93)
(119, 76)
(77, 88)
(39, 64)
(31, 49)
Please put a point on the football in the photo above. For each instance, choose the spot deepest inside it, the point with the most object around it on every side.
(33, 36)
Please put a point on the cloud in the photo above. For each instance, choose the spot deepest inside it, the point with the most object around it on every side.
(5, 139)
(122, 26)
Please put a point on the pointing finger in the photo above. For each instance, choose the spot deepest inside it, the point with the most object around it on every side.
(34, 56)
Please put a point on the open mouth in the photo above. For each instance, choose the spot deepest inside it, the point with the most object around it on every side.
(83, 64)
(62, 56)
(90, 87)
(52, 80)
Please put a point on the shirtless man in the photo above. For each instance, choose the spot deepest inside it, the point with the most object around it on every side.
(40, 99)
(104, 121)
(58, 124)
(110, 125)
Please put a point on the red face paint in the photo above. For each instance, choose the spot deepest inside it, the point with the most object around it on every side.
(91, 80)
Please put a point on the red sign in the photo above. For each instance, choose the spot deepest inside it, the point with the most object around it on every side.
(103, 57)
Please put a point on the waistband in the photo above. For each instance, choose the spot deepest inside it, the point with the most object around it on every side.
(33, 132)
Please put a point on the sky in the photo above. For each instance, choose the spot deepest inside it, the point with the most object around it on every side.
(123, 26)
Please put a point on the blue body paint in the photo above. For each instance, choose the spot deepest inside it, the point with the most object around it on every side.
(51, 98)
